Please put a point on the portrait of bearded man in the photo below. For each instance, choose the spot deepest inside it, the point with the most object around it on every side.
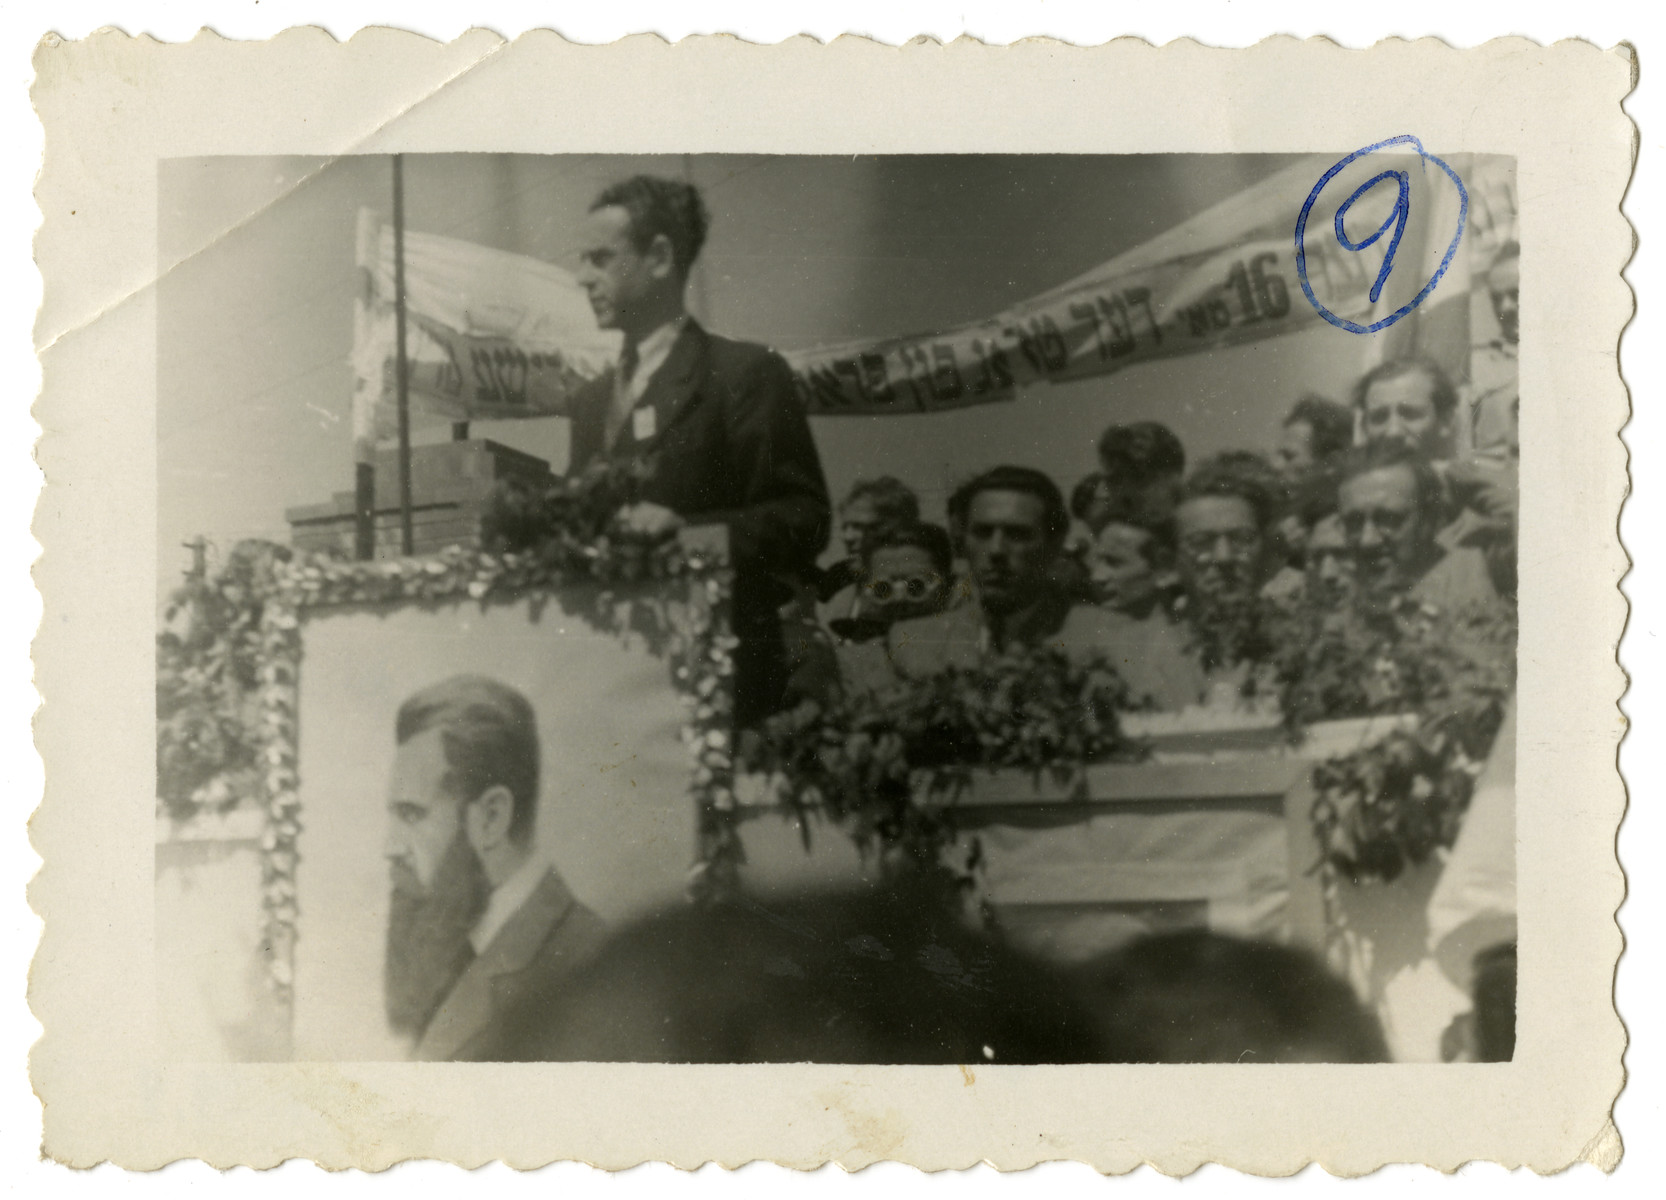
(479, 922)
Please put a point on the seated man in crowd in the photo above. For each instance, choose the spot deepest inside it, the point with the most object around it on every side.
(832, 606)
(1329, 567)
(870, 505)
(1315, 431)
(1390, 505)
(1131, 559)
(1412, 402)
(1013, 523)
(905, 576)
(1228, 561)
(1409, 401)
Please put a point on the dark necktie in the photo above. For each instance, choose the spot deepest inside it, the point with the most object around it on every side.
(620, 409)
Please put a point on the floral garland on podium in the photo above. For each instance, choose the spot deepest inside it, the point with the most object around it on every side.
(229, 658)
(888, 766)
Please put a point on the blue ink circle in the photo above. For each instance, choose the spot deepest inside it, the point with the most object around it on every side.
(1398, 218)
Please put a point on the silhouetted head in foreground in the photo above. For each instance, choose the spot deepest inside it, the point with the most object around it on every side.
(1205, 998)
(834, 978)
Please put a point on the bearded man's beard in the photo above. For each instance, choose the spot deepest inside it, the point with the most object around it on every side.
(428, 935)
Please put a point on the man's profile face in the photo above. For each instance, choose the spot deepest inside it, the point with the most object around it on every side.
(1222, 550)
(857, 522)
(1120, 569)
(1008, 548)
(1295, 448)
(616, 275)
(1388, 536)
(423, 818)
(1403, 410)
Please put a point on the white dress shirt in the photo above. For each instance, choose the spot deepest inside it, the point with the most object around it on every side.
(651, 353)
(506, 901)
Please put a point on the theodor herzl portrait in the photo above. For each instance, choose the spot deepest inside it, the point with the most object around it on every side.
(1091, 647)
(1092, 642)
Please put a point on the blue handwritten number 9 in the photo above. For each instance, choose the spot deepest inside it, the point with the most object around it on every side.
(1397, 218)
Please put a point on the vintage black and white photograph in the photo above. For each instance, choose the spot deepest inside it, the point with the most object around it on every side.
(1091, 647)
(701, 638)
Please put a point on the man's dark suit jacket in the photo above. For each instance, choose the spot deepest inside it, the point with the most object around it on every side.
(730, 444)
(548, 938)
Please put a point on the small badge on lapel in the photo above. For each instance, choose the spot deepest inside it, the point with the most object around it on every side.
(642, 424)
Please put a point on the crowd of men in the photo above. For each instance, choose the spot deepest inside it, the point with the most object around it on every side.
(1157, 563)
(1148, 562)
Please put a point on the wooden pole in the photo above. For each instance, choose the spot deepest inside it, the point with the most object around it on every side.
(368, 255)
(401, 367)
(364, 510)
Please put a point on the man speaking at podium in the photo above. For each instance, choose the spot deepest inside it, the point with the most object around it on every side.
(714, 422)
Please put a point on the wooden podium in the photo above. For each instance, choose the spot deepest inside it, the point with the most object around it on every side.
(1214, 830)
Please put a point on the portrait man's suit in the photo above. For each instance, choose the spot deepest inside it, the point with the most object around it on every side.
(727, 442)
(548, 937)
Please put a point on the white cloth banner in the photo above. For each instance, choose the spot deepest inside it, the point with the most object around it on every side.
(492, 334)
(1226, 277)
(489, 334)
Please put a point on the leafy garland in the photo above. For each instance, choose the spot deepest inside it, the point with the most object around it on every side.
(1390, 806)
(888, 765)
(228, 662)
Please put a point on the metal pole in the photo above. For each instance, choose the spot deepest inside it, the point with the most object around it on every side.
(401, 368)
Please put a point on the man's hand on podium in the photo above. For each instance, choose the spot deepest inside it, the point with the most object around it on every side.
(649, 520)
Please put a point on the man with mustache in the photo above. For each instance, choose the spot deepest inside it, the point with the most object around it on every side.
(478, 922)
(1410, 401)
(1413, 403)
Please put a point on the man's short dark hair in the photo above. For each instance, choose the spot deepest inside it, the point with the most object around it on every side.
(1442, 395)
(490, 736)
(1141, 453)
(893, 500)
(1332, 424)
(1055, 521)
(661, 206)
(922, 535)
(1385, 455)
(1243, 475)
(1129, 506)
(1085, 495)
(1198, 996)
